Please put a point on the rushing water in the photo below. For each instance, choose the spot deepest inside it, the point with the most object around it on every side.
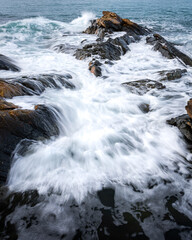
(106, 141)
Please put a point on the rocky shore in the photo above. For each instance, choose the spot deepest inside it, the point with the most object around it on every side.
(19, 124)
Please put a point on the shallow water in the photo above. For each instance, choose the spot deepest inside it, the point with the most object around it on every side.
(114, 171)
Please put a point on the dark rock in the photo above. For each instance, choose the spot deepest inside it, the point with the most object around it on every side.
(33, 84)
(144, 107)
(184, 124)
(189, 108)
(120, 41)
(94, 67)
(167, 49)
(106, 196)
(109, 63)
(65, 48)
(143, 86)
(7, 64)
(172, 74)
(93, 28)
(18, 124)
(106, 50)
(112, 49)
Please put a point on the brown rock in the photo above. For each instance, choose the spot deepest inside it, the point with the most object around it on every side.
(94, 67)
(4, 105)
(9, 90)
(110, 20)
(189, 108)
(29, 85)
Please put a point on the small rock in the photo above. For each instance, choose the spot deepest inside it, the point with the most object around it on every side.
(94, 67)
(144, 107)
(189, 108)
(143, 86)
(4, 105)
(172, 74)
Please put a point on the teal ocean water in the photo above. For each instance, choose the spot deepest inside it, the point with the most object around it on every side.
(114, 172)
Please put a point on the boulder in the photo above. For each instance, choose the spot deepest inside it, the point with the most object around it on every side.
(171, 74)
(7, 64)
(20, 124)
(110, 22)
(29, 85)
(94, 67)
(142, 86)
(167, 49)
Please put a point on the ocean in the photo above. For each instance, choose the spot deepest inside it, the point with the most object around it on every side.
(114, 172)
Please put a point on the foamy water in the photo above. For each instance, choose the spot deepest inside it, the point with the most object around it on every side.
(105, 139)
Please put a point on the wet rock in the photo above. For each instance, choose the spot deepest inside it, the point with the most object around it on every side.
(106, 196)
(4, 105)
(7, 64)
(184, 124)
(19, 124)
(112, 49)
(110, 22)
(189, 108)
(143, 86)
(65, 48)
(94, 67)
(9, 90)
(33, 84)
(172, 74)
(167, 49)
(144, 107)
(106, 50)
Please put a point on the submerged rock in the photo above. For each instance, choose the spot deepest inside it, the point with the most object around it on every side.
(172, 74)
(142, 86)
(19, 124)
(33, 84)
(7, 64)
(94, 67)
(167, 49)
